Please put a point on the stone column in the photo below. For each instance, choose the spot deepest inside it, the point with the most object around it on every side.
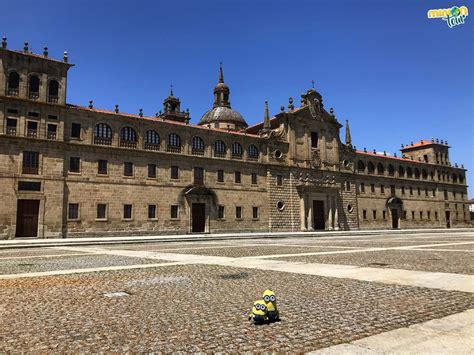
(330, 221)
(310, 213)
(336, 221)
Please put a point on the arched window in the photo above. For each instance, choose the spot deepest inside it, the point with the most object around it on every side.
(401, 171)
(128, 137)
(380, 169)
(102, 134)
(370, 168)
(417, 173)
(53, 91)
(360, 166)
(424, 174)
(13, 84)
(128, 134)
(391, 170)
(174, 143)
(237, 150)
(409, 173)
(219, 149)
(253, 152)
(33, 87)
(152, 138)
(198, 146)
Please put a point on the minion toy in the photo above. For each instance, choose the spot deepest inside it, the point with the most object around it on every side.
(259, 313)
(270, 302)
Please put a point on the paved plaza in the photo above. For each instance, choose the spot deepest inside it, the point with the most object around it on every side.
(385, 292)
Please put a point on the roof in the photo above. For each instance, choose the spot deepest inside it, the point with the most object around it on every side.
(154, 119)
(222, 114)
(422, 143)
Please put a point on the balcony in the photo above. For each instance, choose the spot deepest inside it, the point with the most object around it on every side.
(102, 141)
(252, 158)
(53, 99)
(197, 152)
(11, 131)
(128, 144)
(32, 133)
(33, 95)
(13, 92)
(173, 149)
(236, 156)
(51, 136)
(152, 146)
(220, 154)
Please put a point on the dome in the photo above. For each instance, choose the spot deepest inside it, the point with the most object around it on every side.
(222, 114)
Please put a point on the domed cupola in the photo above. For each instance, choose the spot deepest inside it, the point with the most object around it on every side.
(222, 115)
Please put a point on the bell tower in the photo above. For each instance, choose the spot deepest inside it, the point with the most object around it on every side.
(221, 91)
(172, 109)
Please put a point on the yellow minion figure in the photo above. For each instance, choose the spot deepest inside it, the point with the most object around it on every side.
(270, 302)
(259, 312)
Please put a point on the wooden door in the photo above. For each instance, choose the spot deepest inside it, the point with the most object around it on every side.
(27, 218)
(198, 215)
(318, 215)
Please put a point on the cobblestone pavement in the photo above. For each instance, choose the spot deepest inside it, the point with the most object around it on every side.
(203, 307)
(20, 266)
(458, 263)
(196, 308)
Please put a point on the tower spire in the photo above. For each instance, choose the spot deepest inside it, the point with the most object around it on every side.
(221, 73)
(266, 118)
(348, 134)
(171, 90)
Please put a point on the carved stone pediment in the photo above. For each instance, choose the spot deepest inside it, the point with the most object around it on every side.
(315, 159)
(314, 101)
(309, 181)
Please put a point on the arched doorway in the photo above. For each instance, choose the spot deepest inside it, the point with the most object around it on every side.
(201, 201)
(395, 206)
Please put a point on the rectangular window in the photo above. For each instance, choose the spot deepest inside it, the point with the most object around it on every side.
(29, 186)
(384, 214)
(221, 212)
(372, 188)
(411, 191)
(374, 212)
(412, 214)
(436, 215)
(279, 180)
(74, 164)
(314, 139)
(348, 186)
(152, 171)
(254, 178)
(255, 212)
(421, 215)
(76, 130)
(238, 212)
(445, 194)
(382, 189)
(425, 158)
(198, 176)
(11, 126)
(403, 190)
(419, 191)
(174, 173)
(52, 128)
(33, 114)
(238, 177)
(405, 214)
(426, 192)
(220, 175)
(128, 168)
(101, 211)
(174, 212)
(127, 211)
(429, 215)
(73, 211)
(151, 211)
(32, 129)
(364, 214)
(102, 167)
(362, 187)
(52, 117)
(454, 195)
(392, 189)
(30, 162)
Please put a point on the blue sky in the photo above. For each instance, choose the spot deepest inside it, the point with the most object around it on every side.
(396, 75)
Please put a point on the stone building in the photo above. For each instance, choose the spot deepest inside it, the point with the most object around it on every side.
(69, 170)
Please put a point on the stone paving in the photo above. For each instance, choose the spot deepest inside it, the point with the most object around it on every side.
(20, 266)
(201, 308)
(459, 263)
